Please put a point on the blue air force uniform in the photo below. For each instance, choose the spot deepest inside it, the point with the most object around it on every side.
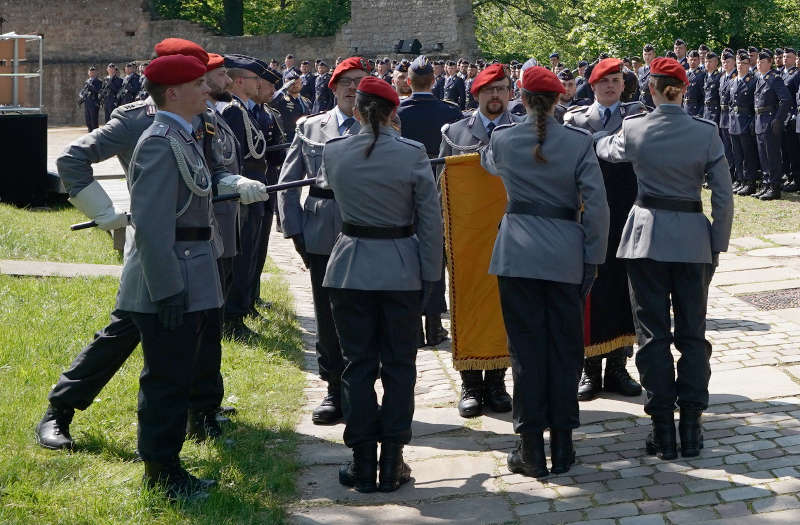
(791, 139)
(772, 106)
(725, 81)
(742, 128)
(455, 91)
(111, 87)
(695, 91)
(90, 97)
(644, 87)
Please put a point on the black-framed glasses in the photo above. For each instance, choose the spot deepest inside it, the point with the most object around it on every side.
(348, 82)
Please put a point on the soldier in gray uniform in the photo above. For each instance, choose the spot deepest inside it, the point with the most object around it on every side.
(545, 261)
(610, 325)
(170, 282)
(314, 226)
(97, 363)
(671, 251)
(492, 88)
(377, 269)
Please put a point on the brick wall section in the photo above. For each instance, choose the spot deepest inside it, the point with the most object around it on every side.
(78, 33)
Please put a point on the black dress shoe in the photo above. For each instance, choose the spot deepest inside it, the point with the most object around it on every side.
(266, 305)
(329, 412)
(495, 395)
(176, 482)
(661, 440)
(591, 382)
(736, 186)
(236, 329)
(53, 430)
(434, 331)
(747, 189)
(471, 402)
(772, 194)
(761, 191)
(203, 424)
(528, 458)
(420, 336)
(691, 432)
(394, 471)
(362, 471)
(616, 378)
(791, 186)
(562, 452)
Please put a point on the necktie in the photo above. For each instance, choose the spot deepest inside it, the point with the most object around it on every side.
(606, 116)
(490, 127)
(346, 124)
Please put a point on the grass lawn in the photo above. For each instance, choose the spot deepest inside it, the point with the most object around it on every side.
(43, 325)
(754, 218)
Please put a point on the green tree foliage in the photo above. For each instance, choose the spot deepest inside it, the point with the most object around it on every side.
(581, 29)
(298, 17)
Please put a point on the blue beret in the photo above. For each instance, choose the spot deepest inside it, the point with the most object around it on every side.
(422, 66)
(243, 62)
(267, 73)
(290, 75)
(554, 55)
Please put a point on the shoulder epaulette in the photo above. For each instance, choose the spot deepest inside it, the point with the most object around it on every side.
(410, 142)
(504, 126)
(576, 128)
(159, 129)
(577, 109)
(452, 104)
(341, 137)
(635, 105)
(637, 115)
(136, 104)
(305, 118)
(705, 120)
(445, 128)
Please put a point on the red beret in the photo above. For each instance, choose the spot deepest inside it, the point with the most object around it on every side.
(179, 46)
(380, 88)
(347, 65)
(668, 67)
(605, 67)
(172, 70)
(214, 61)
(538, 79)
(491, 74)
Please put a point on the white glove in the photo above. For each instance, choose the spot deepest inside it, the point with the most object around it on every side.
(96, 204)
(249, 190)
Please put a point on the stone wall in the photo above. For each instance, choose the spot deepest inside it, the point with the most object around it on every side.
(78, 33)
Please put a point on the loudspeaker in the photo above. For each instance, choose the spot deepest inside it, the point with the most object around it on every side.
(23, 155)
(408, 47)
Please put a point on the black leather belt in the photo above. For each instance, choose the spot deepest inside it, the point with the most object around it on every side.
(724, 107)
(376, 232)
(712, 105)
(320, 193)
(742, 110)
(765, 109)
(660, 203)
(541, 210)
(693, 101)
(192, 234)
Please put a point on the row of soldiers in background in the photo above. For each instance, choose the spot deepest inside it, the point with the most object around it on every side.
(111, 92)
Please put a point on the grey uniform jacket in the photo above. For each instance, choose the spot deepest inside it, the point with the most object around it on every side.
(158, 266)
(392, 187)
(591, 118)
(539, 247)
(672, 155)
(468, 132)
(318, 220)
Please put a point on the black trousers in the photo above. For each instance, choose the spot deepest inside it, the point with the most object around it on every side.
(329, 351)
(769, 153)
(100, 360)
(728, 144)
(378, 332)
(244, 263)
(654, 285)
(261, 251)
(91, 115)
(791, 153)
(544, 323)
(745, 153)
(170, 358)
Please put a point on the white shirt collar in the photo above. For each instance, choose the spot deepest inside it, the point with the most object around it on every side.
(340, 116)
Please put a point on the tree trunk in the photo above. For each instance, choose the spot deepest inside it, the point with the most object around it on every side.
(234, 17)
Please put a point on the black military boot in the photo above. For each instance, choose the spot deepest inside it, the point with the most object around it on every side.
(203, 424)
(736, 186)
(329, 412)
(471, 403)
(691, 432)
(616, 378)
(528, 458)
(773, 193)
(591, 380)
(748, 188)
(661, 440)
(362, 471)
(53, 430)
(495, 395)
(763, 189)
(434, 331)
(394, 471)
(562, 452)
(176, 482)
(237, 330)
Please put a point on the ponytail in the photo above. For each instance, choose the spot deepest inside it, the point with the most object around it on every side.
(539, 104)
(374, 110)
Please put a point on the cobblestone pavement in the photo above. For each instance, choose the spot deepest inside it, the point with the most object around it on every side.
(747, 473)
